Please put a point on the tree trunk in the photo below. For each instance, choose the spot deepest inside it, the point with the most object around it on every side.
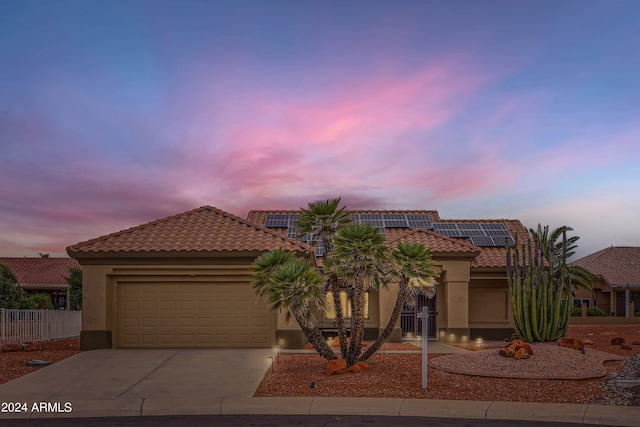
(393, 320)
(310, 329)
(357, 321)
(337, 304)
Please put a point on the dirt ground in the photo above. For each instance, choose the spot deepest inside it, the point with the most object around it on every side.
(392, 375)
(14, 364)
(399, 376)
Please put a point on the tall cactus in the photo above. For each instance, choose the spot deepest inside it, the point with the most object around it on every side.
(540, 295)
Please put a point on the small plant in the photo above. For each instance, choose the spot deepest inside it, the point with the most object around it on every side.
(576, 311)
(595, 311)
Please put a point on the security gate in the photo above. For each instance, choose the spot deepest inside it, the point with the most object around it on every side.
(409, 322)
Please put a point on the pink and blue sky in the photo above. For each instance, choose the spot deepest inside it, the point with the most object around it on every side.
(114, 113)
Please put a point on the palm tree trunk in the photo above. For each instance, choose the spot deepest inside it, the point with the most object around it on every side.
(393, 320)
(357, 321)
(310, 329)
(337, 304)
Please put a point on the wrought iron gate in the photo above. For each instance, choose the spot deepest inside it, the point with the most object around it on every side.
(409, 321)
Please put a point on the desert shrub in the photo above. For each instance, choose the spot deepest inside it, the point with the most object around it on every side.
(40, 301)
(576, 311)
(595, 311)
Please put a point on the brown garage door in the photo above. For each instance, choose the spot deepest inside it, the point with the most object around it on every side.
(157, 315)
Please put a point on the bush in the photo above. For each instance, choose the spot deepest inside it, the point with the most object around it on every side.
(591, 311)
(638, 313)
(38, 301)
(595, 311)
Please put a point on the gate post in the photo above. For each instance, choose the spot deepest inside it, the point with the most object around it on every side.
(424, 316)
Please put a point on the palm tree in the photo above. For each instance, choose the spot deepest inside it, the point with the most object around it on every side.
(414, 268)
(552, 245)
(322, 220)
(294, 286)
(360, 257)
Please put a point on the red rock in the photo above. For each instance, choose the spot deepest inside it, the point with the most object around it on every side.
(336, 366)
(587, 342)
(635, 343)
(617, 341)
(573, 343)
(358, 367)
(12, 347)
(522, 354)
(31, 346)
(518, 344)
(507, 352)
(626, 347)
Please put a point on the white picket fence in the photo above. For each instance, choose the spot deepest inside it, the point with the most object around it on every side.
(39, 325)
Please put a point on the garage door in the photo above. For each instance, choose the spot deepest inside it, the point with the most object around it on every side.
(157, 315)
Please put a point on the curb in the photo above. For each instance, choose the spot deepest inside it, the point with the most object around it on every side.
(551, 412)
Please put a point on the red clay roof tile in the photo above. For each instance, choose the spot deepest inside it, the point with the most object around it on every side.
(437, 243)
(206, 229)
(41, 271)
(617, 265)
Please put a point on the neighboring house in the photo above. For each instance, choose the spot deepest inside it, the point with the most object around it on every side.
(44, 275)
(618, 292)
(182, 281)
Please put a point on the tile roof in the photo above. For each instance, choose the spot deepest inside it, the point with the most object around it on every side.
(40, 271)
(489, 257)
(206, 229)
(617, 265)
(260, 216)
(437, 243)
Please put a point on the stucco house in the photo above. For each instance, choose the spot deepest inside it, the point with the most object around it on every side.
(44, 275)
(182, 281)
(618, 292)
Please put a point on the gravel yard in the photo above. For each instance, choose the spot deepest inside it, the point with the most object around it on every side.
(14, 364)
(399, 375)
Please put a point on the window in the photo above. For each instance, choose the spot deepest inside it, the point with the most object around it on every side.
(330, 312)
(577, 302)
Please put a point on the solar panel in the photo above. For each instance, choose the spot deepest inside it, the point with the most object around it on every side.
(419, 221)
(500, 241)
(481, 234)
(482, 241)
(393, 223)
(281, 220)
(445, 226)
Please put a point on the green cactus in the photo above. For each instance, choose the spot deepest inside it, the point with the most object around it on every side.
(540, 296)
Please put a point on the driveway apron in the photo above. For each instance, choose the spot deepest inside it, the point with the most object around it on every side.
(143, 374)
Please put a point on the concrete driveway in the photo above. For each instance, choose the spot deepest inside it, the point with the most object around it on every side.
(118, 378)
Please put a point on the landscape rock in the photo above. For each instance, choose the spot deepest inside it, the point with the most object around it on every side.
(626, 347)
(635, 343)
(336, 367)
(359, 367)
(518, 344)
(507, 352)
(31, 346)
(573, 343)
(617, 341)
(522, 354)
(12, 347)
(587, 342)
